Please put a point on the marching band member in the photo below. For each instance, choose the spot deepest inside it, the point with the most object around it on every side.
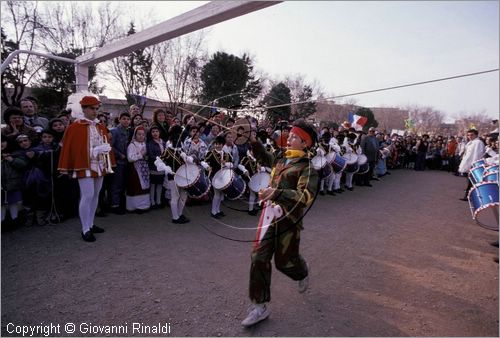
(294, 184)
(253, 166)
(138, 184)
(214, 161)
(334, 179)
(322, 150)
(351, 147)
(172, 159)
(85, 156)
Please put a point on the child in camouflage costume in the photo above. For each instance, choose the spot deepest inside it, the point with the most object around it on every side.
(294, 184)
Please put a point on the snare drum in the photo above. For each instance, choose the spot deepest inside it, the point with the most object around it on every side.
(490, 176)
(483, 203)
(259, 181)
(476, 174)
(338, 162)
(364, 166)
(478, 163)
(491, 169)
(193, 179)
(326, 171)
(352, 162)
(231, 184)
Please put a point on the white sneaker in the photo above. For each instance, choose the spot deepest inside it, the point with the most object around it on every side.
(258, 312)
(304, 283)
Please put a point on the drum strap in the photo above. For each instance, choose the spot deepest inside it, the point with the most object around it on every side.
(173, 155)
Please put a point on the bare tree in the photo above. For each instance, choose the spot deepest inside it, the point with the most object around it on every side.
(21, 28)
(79, 25)
(179, 62)
(480, 121)
(426, 120)
(390, 118)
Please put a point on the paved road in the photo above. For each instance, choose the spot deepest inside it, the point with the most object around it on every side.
(400, 259)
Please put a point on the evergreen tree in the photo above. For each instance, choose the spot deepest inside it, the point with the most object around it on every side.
(366, 112)
(278, 95)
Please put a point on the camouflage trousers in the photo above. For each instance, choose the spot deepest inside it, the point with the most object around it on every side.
(282, 241)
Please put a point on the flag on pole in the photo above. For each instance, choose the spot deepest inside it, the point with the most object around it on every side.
(358, 121)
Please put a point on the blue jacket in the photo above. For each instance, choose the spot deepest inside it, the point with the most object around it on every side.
(121, 139)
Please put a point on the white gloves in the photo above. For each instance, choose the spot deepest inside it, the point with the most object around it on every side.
(161, 166)
(320, 152)
(243, 169)
(228, 165)
(205, 165)
(359, 151)
(101, 149)
(187, 159)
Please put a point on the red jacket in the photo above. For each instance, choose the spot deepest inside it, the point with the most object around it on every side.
(75, 156)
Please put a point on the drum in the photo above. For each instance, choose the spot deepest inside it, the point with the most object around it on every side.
(478, 163)
(231, 184)
(193, 179)
(490, 176)
(352, 162)
(483, 202)
(338, 162)
(476, 174)
(364, 166)
(490, 169)
(259, 181)
(326, 171)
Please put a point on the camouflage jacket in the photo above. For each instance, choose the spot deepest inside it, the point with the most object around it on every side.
(296, 184)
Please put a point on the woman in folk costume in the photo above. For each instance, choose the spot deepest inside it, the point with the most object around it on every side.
(194, 146)
(294, 184)
(333, 182)
(171, 160)
(155, 146)
(137, 190)
(86, 156)
(214, 161)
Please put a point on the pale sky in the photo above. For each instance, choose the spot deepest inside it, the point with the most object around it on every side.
(355, 46)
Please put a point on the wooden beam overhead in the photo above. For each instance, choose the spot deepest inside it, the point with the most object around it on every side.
(198, 18)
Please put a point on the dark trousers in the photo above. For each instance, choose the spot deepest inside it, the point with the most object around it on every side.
(420, 161)
(282, 241)
(469, 187)
(369, 175)
(118, 185)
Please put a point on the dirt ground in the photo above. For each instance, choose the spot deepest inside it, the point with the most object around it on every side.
(402, 258)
